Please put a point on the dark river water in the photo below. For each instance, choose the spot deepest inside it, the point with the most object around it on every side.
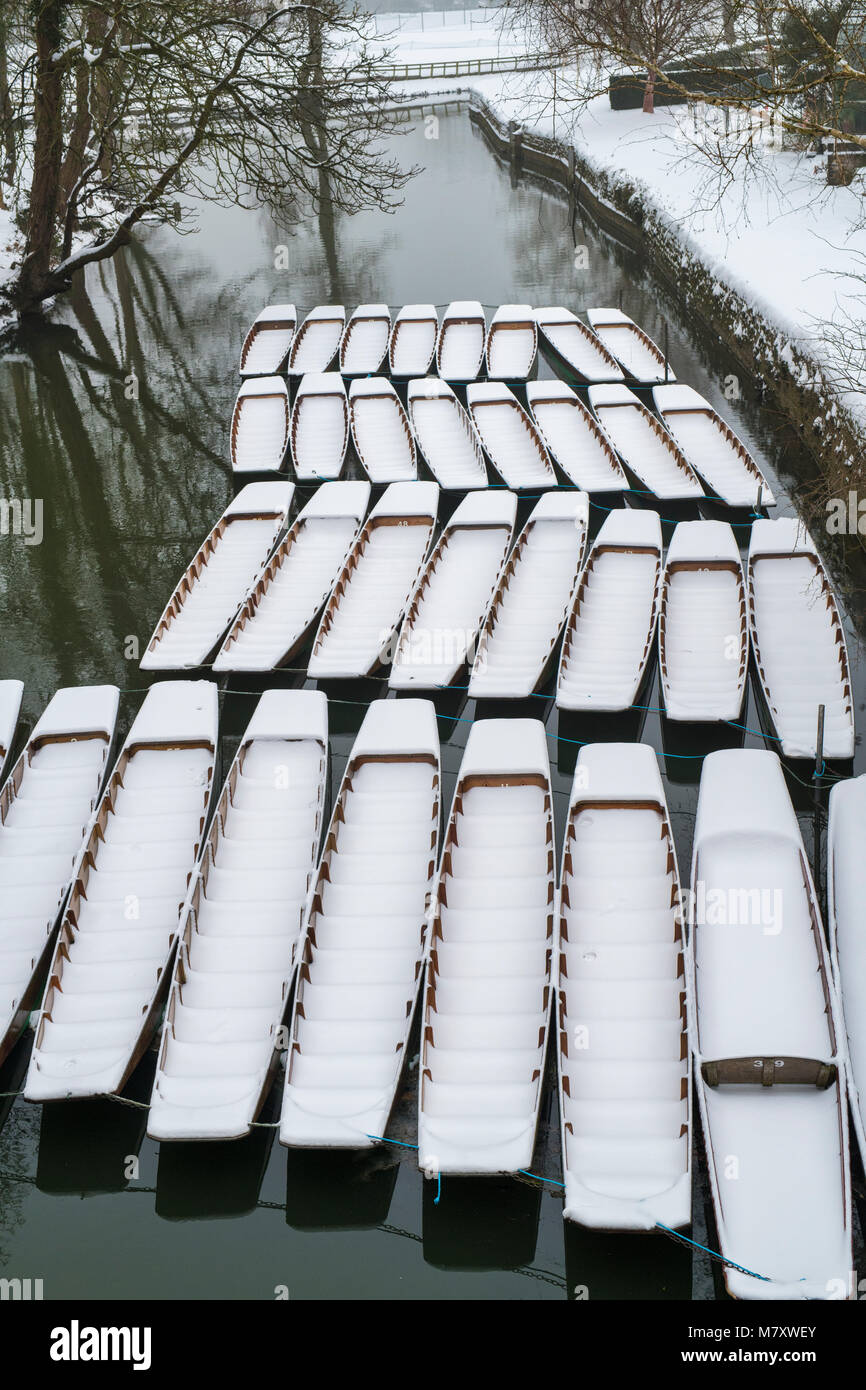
(129, 487)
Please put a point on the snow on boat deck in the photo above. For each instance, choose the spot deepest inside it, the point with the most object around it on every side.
(260, 426)
(532, 599)
(11, 693)
(765, 1015)
(317, 341)
(643, 443)
(711, 447)
(320, 427)
(236, 959)
(512, 342)
(635, 351)
(362, 953)
(577, 345)
(460, 348)
(623, 1043)
(574, 438)
(45, 809)
(121, 922)
(452, 596)
(380, 430)
(703, 625)
(446, 435)
(608, 637)
(846, 893)
(413, 341)
(267, 344)
(364, 344)
(296, 582)
(364, 611)
(508, 434)
(799, 641)
(219, 578)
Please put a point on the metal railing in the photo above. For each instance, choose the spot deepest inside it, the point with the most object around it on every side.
(465, 67)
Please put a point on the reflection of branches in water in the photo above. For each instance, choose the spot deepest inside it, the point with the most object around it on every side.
(19, 1140)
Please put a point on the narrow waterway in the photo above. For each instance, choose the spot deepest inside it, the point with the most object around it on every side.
(115, 415)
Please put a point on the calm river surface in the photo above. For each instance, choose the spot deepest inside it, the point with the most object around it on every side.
(130, 487)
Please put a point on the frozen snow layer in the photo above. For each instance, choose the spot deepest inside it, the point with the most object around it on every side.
(260, 426)
(267, 344)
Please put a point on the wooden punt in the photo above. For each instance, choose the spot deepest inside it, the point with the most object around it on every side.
(279, 613)
(320, 427)
(703, 624)
(623, 1053)
(488, 985)
(221, 1037)
(532, 600)
(46, 806)
(260, 426)
(574, 438)
(513, 444)
(452, 596)
(512, 343)
(460, 345)
(317, 341)
(846, 893)
(362, 615)
(769, 1055)
(413, 341)
(218, 578)
(268, 343)
(112, 963)
(610, 629)
(364, 344)
(715, 453)
(799, 641)
(643, 444)
(570, 343)
(11, 693)
(380, 431)
(362, 952)
(637, 354)
(445, 435)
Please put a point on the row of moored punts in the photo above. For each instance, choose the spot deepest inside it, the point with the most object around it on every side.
(266, 932)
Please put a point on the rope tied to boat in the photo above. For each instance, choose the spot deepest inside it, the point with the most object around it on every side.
(713, 1254)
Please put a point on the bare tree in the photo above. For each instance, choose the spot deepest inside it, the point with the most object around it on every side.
(136, 104)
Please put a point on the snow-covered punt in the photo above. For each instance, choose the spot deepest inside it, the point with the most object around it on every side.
(320, 427)
(237, 942)
(610, 629)
(634, 349)
(267, 345)
(488, 983)
(365, 341)
(768, 1045)
(583, 354)
(621, 997)
(111, 965)
(643, 443)
(512, 343)
(279, 613)
(798, 640)
(454, 592)
(218, 578)
(362, 615)
(703, 625)
(711, 447)
(363, 948)
(513, 444)
(380, 431)
(574, 438)
(317, 341)
(45, 809)
(260, 426)
(460, 346)
(846, 893)
(445, 435)
(532, 600)
(11, 693)
(413, 341)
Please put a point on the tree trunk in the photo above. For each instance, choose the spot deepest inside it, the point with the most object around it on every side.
(34, 277)
(8, 144)
(73, 163)
(649, 94)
